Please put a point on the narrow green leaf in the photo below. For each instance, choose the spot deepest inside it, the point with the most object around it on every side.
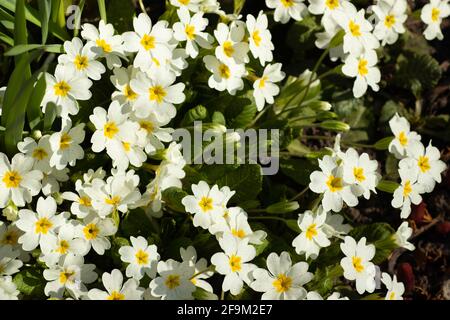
(44, 11)
(102, 10)
(22, 48)
(49, 116)
(387, 186)
(34, 114)
(21, 34)
(383, 144)
(6, 39)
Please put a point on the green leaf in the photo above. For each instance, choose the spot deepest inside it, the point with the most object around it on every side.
(283, 207)
(172, 198)
(195, 114)
(387, 186)
(30, 282)
(298, 170)
(325, 278)
(34, 113)
(246, 180)
(202, 294)
(19, 49)
(260, 248)
(6, 39)
(241, 111)
(44, 11)
(49, 116)
(102, 10)
(383, 144)
(135, 223)
(293, 225)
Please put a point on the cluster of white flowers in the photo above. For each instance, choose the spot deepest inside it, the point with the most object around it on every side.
(420, 167)
(133, 128)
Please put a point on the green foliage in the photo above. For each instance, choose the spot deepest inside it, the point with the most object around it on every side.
(30, 282)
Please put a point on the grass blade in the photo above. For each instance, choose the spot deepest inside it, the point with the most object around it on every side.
(44, 10)
(22, 48)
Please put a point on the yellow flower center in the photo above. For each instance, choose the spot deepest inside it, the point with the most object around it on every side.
(10, 238)
(362, 67)
(66, 276)
(403, 139)
(407, 189)
(147, 126)
(358, 173)
(287, 3)
(141, 257)
(334, 183)
(12, 179)
(157, 93)
(39, 154)
(435, 13)
(61, 88)
(110, 130)
(228, 48)
(43, 225)
(81, 62)
(63, 247)
(238, 233)
(235, 263)
(206, 204)
(424, 164)
(65, 141)
(148, 42)
(392, 295)
(126, 146)
(389, 21)
(116, 296)
(129, 93)
(357, 264)
(190, 31)
(184, 2)
(311, 232)
(103, 45)
(332, 4)
(85, 201)
(91, 231)
(262, 82)
(172, 281)
(354, 29)
(256, 38)
(114, 201)
(224, 71)
(283, 283)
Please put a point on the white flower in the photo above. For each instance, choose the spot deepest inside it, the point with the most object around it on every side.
(235, 223)
(282, 280)
(117, 193)
(65, 242)
(358, 36)
(69, 274)
(142, 258)
(395, 289)
(364, 68)
(391, 18)
(39, 227)
(205, 204)
(151, 42)
(157, 94)
(52, 179)
(9, 236)
(104, 43)
(65, 145)
(287, 9)
(225, 76)
(40, 152)
(265, 88)
(360, 171)
(9, 264)
(190, 29)
(81, 60)
(312, 236)
(8, 290)
(192, 5)
(121, 79)
(116, 289)
(357, 265)
(174, 282)
(404, 137)
(64, 89)
(425, 164)
(233, 263)
(408, 192)
(334, 225)
(81, 203)
(260, 40)
(19, 182)
(152, 133)
(231, 47)
(96, 231)
(189, 255)
(330, 182)
(432, 14)
(313, 295)
(402, 235)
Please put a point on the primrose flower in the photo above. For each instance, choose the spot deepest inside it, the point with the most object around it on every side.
(260, 39)
(395, 289)
(404, 137)
(96, 232)
(40, 151)
(287, 9)
(432, 15)
(189, 255)
(402, 235)
(65, 145)
(391, 19)
(116, 289)
(231, 47)
(225, 75)
(265, 88)
(408, 192)
(141, 258)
